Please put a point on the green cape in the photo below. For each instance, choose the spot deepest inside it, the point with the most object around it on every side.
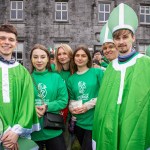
(124, 125)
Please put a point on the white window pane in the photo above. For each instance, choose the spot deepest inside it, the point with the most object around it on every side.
(141, 18)
(20, 5)
(148, 18)
(58, 7)
(19, 55)
(107, 8)
(147, 11)
(58, 15)
(19, 14)
(13, 5)
(101, 17)
(141, 47)
(61, 11)
(142, 10)
(64, 15)
(106, 16)
(101, 7)
(13, 14)
(64, 7)
(20, 47)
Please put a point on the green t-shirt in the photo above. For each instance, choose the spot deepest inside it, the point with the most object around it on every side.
(54, 93)
(65, 75)
(85, 87)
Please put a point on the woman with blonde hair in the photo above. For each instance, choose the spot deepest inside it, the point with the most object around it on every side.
(64, 66)
(63, 60)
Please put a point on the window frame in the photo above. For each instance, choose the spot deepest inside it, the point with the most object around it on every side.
(104, 12)
(144, 14)
(145, 45)
(18, 50)
(16, 10)
(61, 11)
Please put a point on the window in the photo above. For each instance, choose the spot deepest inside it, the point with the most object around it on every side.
(142, 48)
(97, 47)
(18, 52)
(57, 43)
(16, 10)
(145, 14)
(61, 11)
(103, 12)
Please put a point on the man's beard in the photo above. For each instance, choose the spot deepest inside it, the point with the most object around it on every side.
(122, 49)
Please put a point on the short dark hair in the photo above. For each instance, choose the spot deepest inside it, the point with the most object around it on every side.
(9, 28)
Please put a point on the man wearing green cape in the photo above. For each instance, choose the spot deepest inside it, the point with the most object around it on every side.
(122, 113)
(17, 109)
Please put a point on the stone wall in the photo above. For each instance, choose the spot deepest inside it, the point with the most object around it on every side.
(39, 25)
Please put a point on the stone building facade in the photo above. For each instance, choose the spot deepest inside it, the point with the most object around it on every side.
(51, 22)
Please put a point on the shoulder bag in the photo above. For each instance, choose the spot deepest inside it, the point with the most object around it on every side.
(50, 120)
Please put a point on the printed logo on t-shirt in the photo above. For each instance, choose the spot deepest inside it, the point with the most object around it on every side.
(82, 89)
(43, 92)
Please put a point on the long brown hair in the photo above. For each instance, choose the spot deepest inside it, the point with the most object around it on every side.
(42, 47)
(86, 50)
(69, 52)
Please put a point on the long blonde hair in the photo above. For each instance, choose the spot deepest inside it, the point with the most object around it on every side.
(69, 52)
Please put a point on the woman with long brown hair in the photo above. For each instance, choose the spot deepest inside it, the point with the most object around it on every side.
(83, 88)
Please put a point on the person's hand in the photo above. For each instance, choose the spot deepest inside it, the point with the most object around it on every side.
(9, 140)
(41, 110)
(96, 66)
(79, 110)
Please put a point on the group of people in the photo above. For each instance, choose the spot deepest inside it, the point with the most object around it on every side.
(26, 97)
(122, 114)
(109, 107)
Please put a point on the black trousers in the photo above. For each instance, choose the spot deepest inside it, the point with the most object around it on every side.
(84, 137)
(57, 143)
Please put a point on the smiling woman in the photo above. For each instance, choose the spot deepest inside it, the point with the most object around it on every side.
(83, 87)
(50, 96)
(39, 58)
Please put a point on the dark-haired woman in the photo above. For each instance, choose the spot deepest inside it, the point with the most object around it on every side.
(83, 88)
